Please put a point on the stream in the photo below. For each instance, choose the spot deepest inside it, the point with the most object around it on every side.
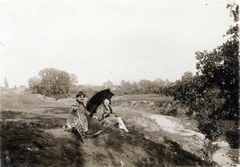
(220, 156)
(194, 141)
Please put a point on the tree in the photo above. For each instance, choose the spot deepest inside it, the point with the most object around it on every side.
(6, 83)
(221, 68)
(74, 79)
(34, 83)
(187, 76)
(108, 84)
(145, 86)
(135, 87)
(213, 91)
(167, 83)
(53, 83)
(122, 82)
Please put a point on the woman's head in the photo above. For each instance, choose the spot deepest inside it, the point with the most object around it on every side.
(80, 96)
(106, 102)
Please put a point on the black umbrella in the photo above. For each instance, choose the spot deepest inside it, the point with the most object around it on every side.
(97, 98)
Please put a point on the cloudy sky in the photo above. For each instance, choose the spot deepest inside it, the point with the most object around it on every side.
(108, 40)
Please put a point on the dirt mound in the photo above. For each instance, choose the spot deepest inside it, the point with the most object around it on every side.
(46, 144)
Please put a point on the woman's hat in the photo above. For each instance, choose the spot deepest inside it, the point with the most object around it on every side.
(80, 94)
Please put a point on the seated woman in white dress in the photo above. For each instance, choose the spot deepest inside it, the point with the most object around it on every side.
(105, 115)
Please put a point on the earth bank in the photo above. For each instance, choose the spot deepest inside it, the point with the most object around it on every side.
(42, 142)
(32, 135)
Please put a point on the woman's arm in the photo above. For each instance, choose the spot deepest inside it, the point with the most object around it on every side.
(106, 114)
(99, 113)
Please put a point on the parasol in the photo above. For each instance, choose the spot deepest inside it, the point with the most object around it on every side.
(97, 98)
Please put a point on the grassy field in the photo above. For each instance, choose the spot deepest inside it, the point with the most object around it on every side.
(148, 97)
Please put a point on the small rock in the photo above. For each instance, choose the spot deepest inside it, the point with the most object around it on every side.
(8, 159)
(122, 164)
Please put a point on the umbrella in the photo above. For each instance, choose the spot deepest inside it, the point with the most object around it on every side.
(97, 98)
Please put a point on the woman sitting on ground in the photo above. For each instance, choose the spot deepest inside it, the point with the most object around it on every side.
(105, 115)
(79, 120)
(76, 119)
(73, 117)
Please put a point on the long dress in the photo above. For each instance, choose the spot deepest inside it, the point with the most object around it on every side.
(82, 110)
(106, 116)
(91, 126)
(73, 118)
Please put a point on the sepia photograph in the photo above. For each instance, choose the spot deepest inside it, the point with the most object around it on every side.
(119, 83)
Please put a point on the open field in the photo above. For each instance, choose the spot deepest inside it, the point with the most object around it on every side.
(32, 135)
(147, 97)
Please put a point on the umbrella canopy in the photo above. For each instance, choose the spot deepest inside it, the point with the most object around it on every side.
(97, 98)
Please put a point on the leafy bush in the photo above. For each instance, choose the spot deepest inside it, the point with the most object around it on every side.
(213, 92)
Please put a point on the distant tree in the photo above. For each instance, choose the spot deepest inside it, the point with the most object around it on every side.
(158, 86)
(6, 83)
(160, 82)
(145, 86)
(122, 82)
(135, 87)
(108, 84)
(53, 83)
(74, 79)
(127, 85)
(167, 83)
(34, 83)
(187, 76)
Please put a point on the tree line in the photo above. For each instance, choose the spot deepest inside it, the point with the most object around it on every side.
(56, 83)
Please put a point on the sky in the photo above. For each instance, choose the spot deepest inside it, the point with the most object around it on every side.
(108, 40)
